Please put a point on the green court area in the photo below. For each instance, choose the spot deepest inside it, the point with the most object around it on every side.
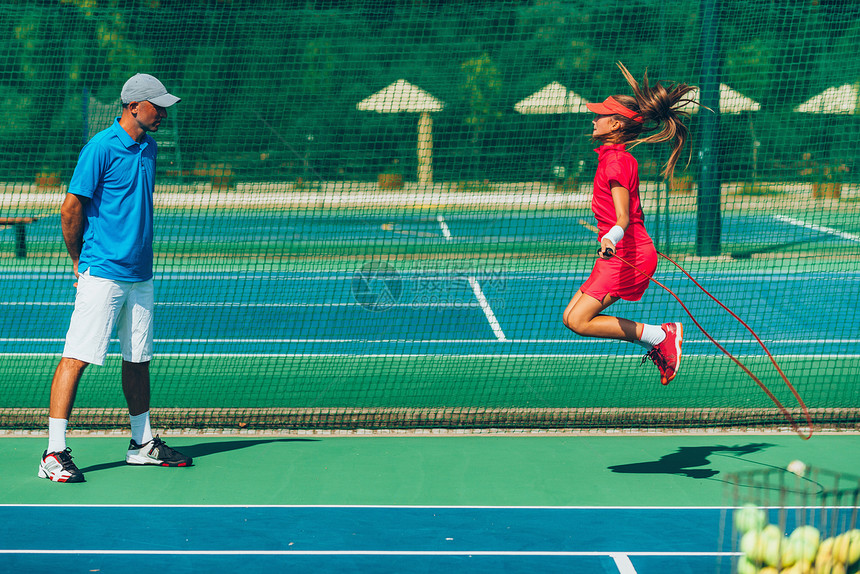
(439, 391)
(432, 468)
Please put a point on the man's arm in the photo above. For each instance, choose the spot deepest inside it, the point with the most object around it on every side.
(72, 218)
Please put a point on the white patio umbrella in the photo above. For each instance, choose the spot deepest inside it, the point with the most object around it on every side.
(403, 97)
(731, 102)
(553, 99)
(836, 100)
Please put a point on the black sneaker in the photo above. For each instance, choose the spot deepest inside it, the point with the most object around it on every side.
(155, 452)
(58, 467)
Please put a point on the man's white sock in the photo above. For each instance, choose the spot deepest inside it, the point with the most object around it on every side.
(57, 434)
(141, 431)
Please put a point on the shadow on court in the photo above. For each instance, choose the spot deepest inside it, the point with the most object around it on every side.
(203, 449)
(691, 462)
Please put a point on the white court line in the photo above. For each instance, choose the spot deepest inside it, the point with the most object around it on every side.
(240, 305)
(414, 305)
(410, 506)
(579, 342)
(445, 230)
(488, 311)
(376, 553)
(623, 563)
(435, 356)
(712, 276)
(476, 289)
(816, 227)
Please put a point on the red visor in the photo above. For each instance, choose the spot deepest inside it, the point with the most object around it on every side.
(611, 106)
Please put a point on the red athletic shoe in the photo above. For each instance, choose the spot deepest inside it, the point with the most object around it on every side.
(667, 355)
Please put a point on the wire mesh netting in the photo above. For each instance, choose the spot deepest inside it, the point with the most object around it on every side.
(373, 214)
(799, 519)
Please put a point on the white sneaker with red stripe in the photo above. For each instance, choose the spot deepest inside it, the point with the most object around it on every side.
(58, 467)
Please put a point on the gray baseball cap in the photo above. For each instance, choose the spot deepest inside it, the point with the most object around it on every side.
(142, 87)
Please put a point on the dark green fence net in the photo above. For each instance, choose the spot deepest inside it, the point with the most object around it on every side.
(373, 213)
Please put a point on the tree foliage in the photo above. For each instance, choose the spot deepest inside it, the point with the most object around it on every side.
(270, 86)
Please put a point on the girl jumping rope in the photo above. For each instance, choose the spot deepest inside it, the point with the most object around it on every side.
(620, 121)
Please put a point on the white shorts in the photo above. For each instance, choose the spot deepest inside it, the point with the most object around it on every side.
(102, 304)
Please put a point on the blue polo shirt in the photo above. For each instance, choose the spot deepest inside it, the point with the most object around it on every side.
(117, 174)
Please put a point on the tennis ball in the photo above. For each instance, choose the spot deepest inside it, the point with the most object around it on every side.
(797, 467)
(770, 545)
(746, 566)
(853, 554)
(751, 546)
(802, 546)
(768, 570)
(846, 547)
(807, 533)
(799, 568)
(841, 546)
(750, 517)
(798, 551)
(829, 567)
(825, 551)
(773, 551)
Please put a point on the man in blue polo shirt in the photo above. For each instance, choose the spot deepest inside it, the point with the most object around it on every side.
(107, 226)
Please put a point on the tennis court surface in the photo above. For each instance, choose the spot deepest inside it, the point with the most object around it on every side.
(318, 502)
(369, 219)
(440, 343)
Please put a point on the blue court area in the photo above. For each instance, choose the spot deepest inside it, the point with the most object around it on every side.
(371, 539)
(487, 306)
(368, 539)
(452, 313)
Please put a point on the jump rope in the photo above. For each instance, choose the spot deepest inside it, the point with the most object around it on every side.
(794, 425)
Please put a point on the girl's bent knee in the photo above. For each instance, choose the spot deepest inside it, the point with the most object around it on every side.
(575, 324)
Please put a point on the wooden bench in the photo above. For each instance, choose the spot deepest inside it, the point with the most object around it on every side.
(20, 224)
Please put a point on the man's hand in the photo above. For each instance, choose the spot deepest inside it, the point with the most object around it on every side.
(72, 221)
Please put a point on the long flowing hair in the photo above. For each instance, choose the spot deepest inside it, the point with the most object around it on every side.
(660, 107)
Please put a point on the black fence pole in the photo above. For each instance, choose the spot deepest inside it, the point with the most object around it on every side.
(709, 223)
